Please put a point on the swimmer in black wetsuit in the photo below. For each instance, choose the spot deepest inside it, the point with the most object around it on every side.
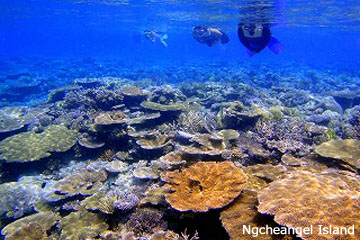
(254, 27)
(209, 36)
(255, 37)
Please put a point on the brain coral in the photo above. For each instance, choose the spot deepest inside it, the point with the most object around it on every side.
(303, 199)
(31, 146)
(204, 185)
(347, 150)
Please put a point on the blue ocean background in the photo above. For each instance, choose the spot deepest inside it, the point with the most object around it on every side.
(317, 32)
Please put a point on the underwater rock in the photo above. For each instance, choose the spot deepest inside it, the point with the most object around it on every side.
(30, 146)
(31, 227)
(82, 225)
(204, 186)
(347, 150)
(303, 199)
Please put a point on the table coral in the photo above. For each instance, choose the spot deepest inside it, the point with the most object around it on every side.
(163, 107)
(153, 143)
(84, 182)
(31, 227)
(242, 212)
(82, 225)
(305, 199)
(30, 146)
(346, 150)
(204, 185)
(14, 118)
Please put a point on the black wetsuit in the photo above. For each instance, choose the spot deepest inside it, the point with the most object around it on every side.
(255, 44)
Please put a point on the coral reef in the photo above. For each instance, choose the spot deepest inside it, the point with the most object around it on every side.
(30, 146)
(204, 185)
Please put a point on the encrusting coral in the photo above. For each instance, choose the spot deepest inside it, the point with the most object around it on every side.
(304, 199)
(204, 185)
(30, 146)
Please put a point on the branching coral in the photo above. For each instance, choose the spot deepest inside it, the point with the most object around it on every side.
(204, 186)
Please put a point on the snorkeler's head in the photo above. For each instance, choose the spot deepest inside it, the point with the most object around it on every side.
(200, 31)
(253, 30)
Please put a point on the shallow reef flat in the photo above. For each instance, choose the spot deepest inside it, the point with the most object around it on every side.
(105, 150)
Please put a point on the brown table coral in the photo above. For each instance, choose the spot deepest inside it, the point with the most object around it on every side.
(346, 150)
(204, 185)
(242, 212)
(31, 227)
(31, 146)
(304, 199)
(82, 225)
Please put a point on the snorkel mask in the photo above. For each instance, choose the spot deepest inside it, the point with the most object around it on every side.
(201, 32)
(252, 30)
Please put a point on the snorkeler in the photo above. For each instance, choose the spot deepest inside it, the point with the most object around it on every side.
(256, 36)
(209, 36)
(154, 36)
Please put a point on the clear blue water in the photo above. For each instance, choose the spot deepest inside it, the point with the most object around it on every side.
(321, 32)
